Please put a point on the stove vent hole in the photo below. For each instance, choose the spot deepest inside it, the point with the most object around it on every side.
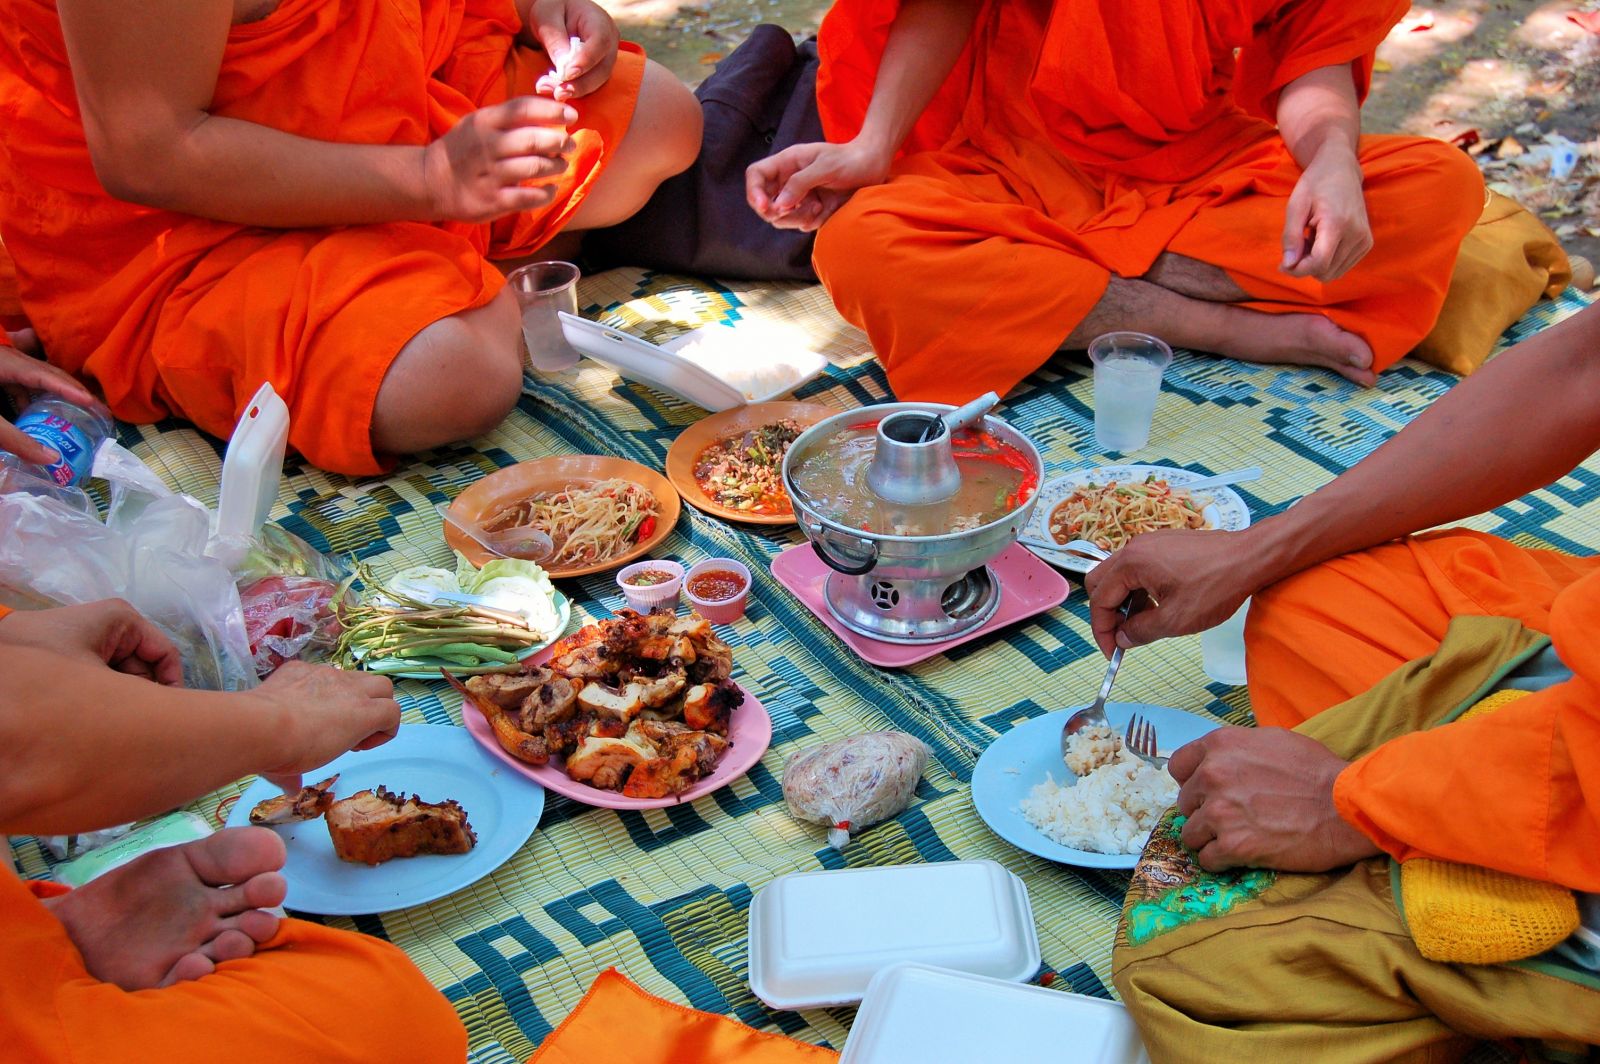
(885, 595)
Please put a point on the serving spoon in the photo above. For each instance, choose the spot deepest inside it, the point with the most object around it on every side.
(1236, 476)
(527, 544)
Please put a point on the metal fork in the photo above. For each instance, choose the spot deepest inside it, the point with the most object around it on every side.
(1095, 715)
(1140, 741)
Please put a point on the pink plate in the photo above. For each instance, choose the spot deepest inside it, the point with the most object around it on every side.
(750, 732)
(1027, 586)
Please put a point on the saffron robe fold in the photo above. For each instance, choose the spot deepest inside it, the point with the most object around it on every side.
(171, 314)
(311, 993)
(1077, 140)
(1516, 790)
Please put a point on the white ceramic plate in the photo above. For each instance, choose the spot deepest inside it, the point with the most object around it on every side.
(1020, 759)
(435, 762)
(1223, 508)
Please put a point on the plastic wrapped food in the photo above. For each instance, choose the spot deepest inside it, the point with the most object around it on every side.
(851, 783)
(288, 617)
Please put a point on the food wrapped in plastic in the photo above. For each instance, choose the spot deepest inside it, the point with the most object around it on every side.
(851, 783)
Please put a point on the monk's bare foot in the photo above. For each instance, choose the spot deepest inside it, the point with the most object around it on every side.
(1304, 340)
(173, 914)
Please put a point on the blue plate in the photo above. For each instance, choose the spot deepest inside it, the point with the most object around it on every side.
(434, 762)
(1020, 759)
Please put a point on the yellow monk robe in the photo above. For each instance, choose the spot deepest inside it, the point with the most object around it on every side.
(1516, 790)
(311, 993)
(172, 314)
(1137, 132)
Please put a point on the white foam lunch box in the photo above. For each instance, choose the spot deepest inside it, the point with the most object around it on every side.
(818, 938)
(717, 367)
(915, 1012)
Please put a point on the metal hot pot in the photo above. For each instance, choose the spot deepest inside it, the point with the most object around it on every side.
(909, 588)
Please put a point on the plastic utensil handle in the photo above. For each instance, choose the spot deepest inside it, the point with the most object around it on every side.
(1237, 476)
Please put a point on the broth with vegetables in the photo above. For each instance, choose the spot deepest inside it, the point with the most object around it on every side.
(996, 478)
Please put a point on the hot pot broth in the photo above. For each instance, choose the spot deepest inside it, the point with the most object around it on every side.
(996, 478)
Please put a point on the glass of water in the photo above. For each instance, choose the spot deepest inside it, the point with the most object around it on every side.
(542, 289)
(1127, 381)
(1222, 649)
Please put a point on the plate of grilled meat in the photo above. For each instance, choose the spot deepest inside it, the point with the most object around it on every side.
(420, 817)
(637, 711)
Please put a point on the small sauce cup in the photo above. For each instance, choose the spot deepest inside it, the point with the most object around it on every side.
(718, 589)
(650, 584)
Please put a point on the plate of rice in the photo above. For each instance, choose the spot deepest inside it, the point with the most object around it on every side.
(1100, 819)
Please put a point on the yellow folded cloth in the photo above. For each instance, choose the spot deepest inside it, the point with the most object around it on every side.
(617, 1021)
(1461, 914)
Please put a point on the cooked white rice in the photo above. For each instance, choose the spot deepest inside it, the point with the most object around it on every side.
(1109, 810)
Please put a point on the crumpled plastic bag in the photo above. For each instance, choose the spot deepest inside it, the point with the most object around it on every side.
(151, 550)
(851, 783)
(289, 617)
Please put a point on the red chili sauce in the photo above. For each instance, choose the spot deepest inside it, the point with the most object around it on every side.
(648, 577)
(714, 585)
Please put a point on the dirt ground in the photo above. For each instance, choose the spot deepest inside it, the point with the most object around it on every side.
(1517, 78)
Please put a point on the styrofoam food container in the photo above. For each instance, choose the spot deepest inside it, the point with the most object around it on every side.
(717, 367)
(818, 938)
(916, 1012)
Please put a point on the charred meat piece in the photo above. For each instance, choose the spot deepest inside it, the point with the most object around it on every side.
(606, 763)
(709, 707)
(684, 760)
(507, 731)
(309, 804)
(555, 699)
(372, 827)
(508, 692)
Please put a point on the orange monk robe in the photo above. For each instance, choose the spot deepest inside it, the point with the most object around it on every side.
(173, 314)
(1076, 140)
(311, 993)
(1516, 790)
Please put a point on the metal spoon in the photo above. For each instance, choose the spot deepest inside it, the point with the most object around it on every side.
(1072, 546)
(1237, 476)
(528, 544)
(1095, 714)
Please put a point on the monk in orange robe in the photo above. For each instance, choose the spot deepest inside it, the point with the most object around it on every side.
(174, 956)
(1006, 179)
(1341, 609)
(202, 196)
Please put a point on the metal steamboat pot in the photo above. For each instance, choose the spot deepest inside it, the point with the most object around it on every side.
(908, 588)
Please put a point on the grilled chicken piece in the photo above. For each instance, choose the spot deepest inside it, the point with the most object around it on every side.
(507, 731)
(555, 700)
(709, 707)
(606, 701)
(606, 763)
(309, 804)
(370, 828)
(685, 759)
(508, 692)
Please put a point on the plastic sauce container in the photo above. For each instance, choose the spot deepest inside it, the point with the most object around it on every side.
(651, 584)
(718, 588)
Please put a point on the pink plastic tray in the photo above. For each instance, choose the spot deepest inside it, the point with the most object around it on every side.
(1027, 586)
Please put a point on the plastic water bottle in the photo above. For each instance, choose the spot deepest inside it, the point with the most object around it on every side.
(72, 431)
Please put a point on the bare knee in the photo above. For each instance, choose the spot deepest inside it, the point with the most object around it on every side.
(457, 379)
(668, 120)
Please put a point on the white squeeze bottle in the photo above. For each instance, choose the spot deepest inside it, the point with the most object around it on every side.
(70, 430)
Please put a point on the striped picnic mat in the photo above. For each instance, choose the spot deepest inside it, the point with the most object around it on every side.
(663, 895)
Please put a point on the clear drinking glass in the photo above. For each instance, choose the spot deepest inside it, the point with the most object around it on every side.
(1127, 381)
(1222, 649)
(542, 289)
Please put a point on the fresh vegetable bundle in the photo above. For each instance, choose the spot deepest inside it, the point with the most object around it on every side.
(395, 627)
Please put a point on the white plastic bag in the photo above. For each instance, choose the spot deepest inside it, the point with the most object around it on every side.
(151, 551)
(851, 783)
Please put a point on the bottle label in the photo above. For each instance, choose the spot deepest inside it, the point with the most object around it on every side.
(67, 440)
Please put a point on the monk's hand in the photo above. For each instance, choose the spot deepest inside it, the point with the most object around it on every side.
(1326, 231)
(20, 376)
(581, 40)
(1263, 798)
(801, 186)
(1193, 579)
(479, 170)
(110, 631)
(324, 712)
